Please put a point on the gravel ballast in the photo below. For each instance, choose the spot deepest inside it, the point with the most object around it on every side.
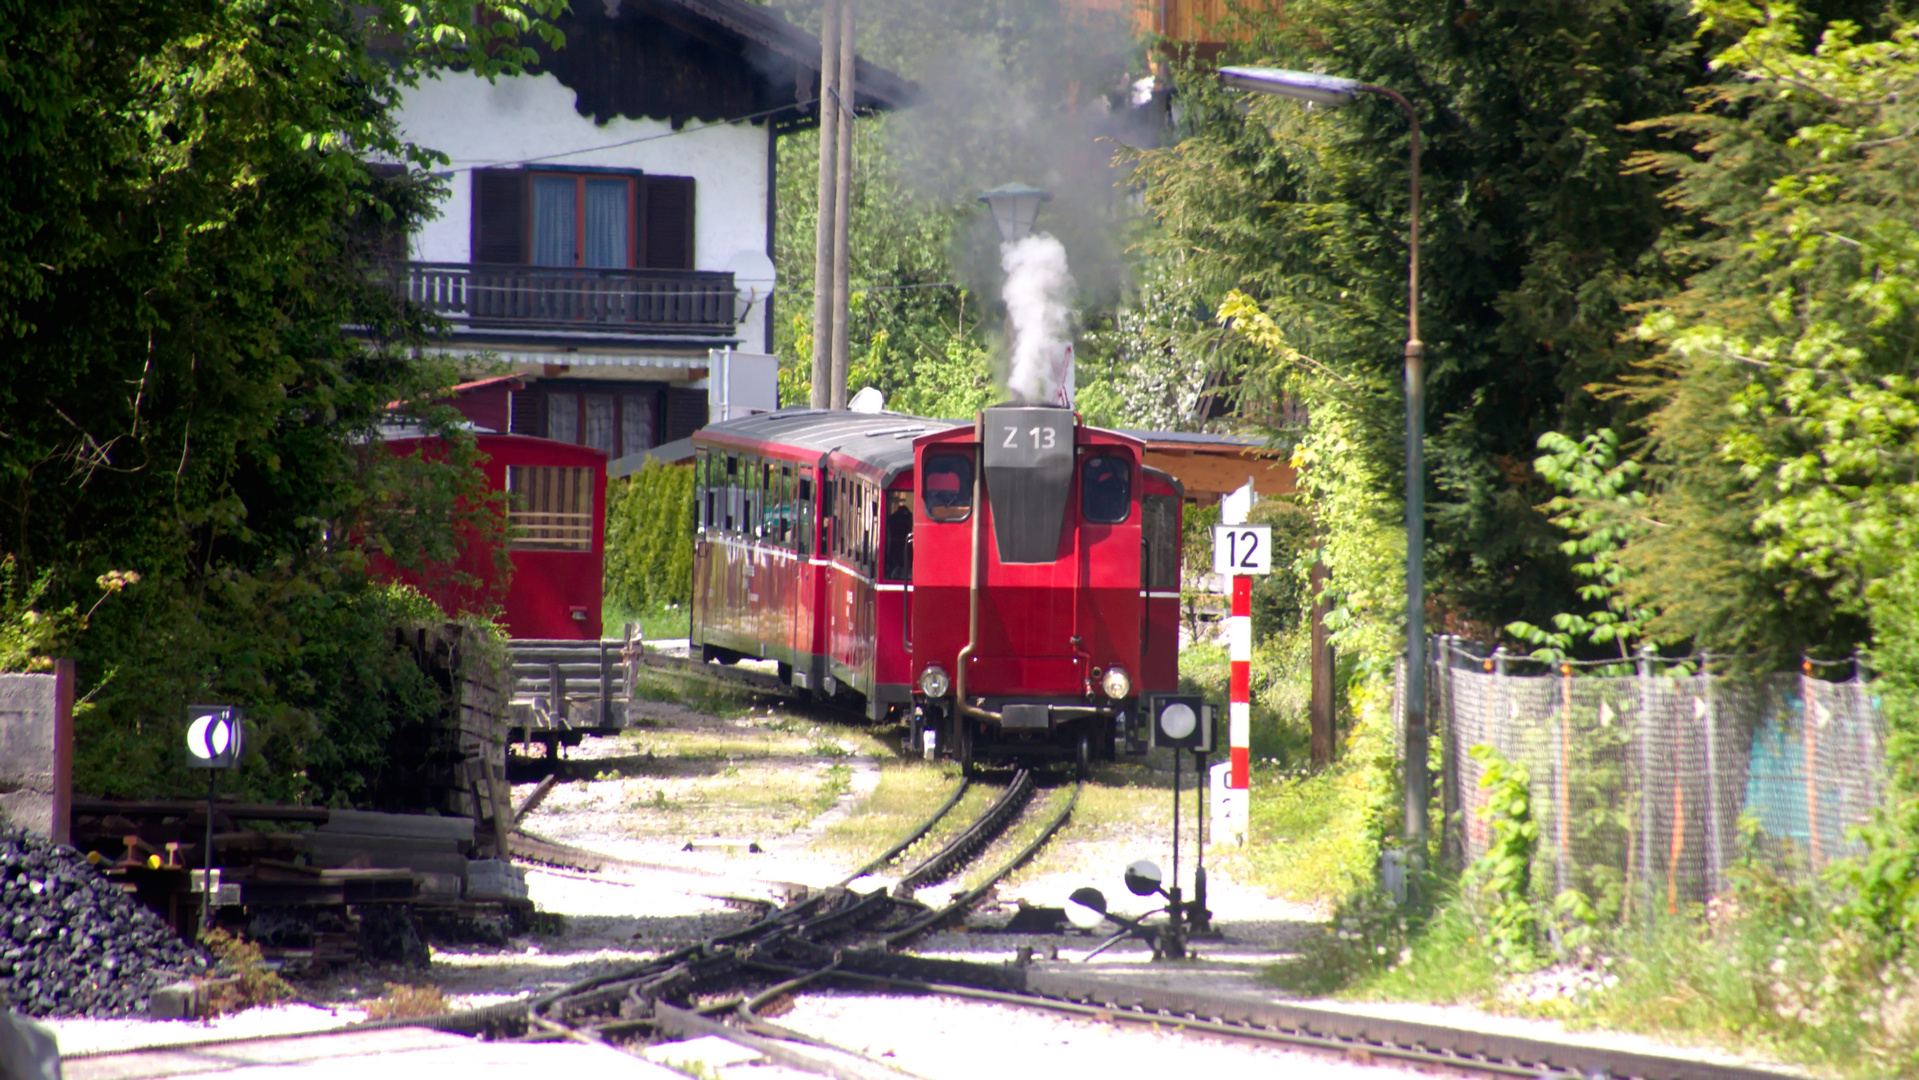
(72, 943)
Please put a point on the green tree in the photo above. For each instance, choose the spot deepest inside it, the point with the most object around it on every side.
(1535, 242)
(186, 227)
(1784, 403)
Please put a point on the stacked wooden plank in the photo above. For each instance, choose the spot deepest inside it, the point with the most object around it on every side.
(434, 848)
(462, 759)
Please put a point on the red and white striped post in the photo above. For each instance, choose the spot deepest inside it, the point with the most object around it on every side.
(1240, 552)
(1239, 708)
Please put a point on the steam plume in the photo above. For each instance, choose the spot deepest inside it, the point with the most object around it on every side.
(1039, 294)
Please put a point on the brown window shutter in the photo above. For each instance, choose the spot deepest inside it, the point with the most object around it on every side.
(529, 413)
(666, 235)
(685, 412)
(499, 215)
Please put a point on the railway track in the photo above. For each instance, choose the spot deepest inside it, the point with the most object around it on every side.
(721, 985)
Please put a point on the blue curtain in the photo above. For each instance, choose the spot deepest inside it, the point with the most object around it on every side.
(606, 229)
(553, 220)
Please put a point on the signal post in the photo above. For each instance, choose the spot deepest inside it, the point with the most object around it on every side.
(1240, 552)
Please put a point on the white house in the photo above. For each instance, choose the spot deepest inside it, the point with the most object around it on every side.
(610, 216)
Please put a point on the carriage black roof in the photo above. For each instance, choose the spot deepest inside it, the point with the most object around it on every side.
(881, 442)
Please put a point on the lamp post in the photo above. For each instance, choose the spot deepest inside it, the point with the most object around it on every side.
(1015, 208)
(1334, 91)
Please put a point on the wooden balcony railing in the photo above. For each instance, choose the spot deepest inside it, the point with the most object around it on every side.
(506, 297)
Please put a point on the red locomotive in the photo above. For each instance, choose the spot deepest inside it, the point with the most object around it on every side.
(1009, 587)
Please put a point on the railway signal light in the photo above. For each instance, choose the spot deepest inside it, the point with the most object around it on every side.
(1143, 878)
(214, 736)
(1086, 908)
(1181, 722)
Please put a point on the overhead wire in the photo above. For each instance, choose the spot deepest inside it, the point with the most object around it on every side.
(650, 137)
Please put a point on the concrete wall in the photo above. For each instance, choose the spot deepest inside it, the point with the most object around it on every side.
(514, 120)
(36, 752)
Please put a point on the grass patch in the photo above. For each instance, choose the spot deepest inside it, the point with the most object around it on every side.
(908, 791)
(406, 1002)
(1449, 964)
(1307, 837)
(753, 778)
(659, 622)
(243, 979)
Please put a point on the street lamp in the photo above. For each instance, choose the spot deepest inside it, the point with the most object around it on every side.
(1015, 208)
(1334, 91)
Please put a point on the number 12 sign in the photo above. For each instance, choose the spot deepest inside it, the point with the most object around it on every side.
(1242, 549)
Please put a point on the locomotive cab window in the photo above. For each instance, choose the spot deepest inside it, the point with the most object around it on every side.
(1106, 489)
(947, 488)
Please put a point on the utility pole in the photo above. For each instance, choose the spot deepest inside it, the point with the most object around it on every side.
(824, 238)
(843, 207)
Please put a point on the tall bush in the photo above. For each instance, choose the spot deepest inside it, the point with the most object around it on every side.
(649, 537)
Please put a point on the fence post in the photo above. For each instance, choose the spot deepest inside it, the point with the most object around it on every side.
(1715, 840)
(1810, 737)
(1644, 785)
(1871, 765)
(1563, 782)
(1450, 841)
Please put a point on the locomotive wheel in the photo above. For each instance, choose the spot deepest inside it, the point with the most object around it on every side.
(963, 744)
(1083, 764)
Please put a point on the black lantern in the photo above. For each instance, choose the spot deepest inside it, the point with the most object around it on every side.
(1015, 208)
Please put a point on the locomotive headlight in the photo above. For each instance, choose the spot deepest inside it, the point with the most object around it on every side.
(1116, 683)
(933, 681)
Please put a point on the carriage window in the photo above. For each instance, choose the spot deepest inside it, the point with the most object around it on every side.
(732, 492)
(1159, 542)
(948, 487)
(806, 512)
(783, 509)
(702, 512)
(748, 480)
(551, 508)
(1106, 489)
(869, 534)
(899, 535)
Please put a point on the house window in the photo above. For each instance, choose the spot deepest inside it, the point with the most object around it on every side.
(636, 423)
(563, 417)
(617, 422)
(551, 508)
(592, 220)
(601, 425)
(581, 220)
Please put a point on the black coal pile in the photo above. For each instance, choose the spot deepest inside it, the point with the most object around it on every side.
(73, 944)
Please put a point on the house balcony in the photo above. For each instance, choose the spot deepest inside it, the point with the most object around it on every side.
(545, 300)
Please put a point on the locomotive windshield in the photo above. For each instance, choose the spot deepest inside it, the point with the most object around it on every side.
(1106, 489)
(947, 487)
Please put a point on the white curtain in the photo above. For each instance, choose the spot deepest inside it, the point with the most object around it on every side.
(599, 422)
(606, 228)
(563, 417)
(553, 221)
